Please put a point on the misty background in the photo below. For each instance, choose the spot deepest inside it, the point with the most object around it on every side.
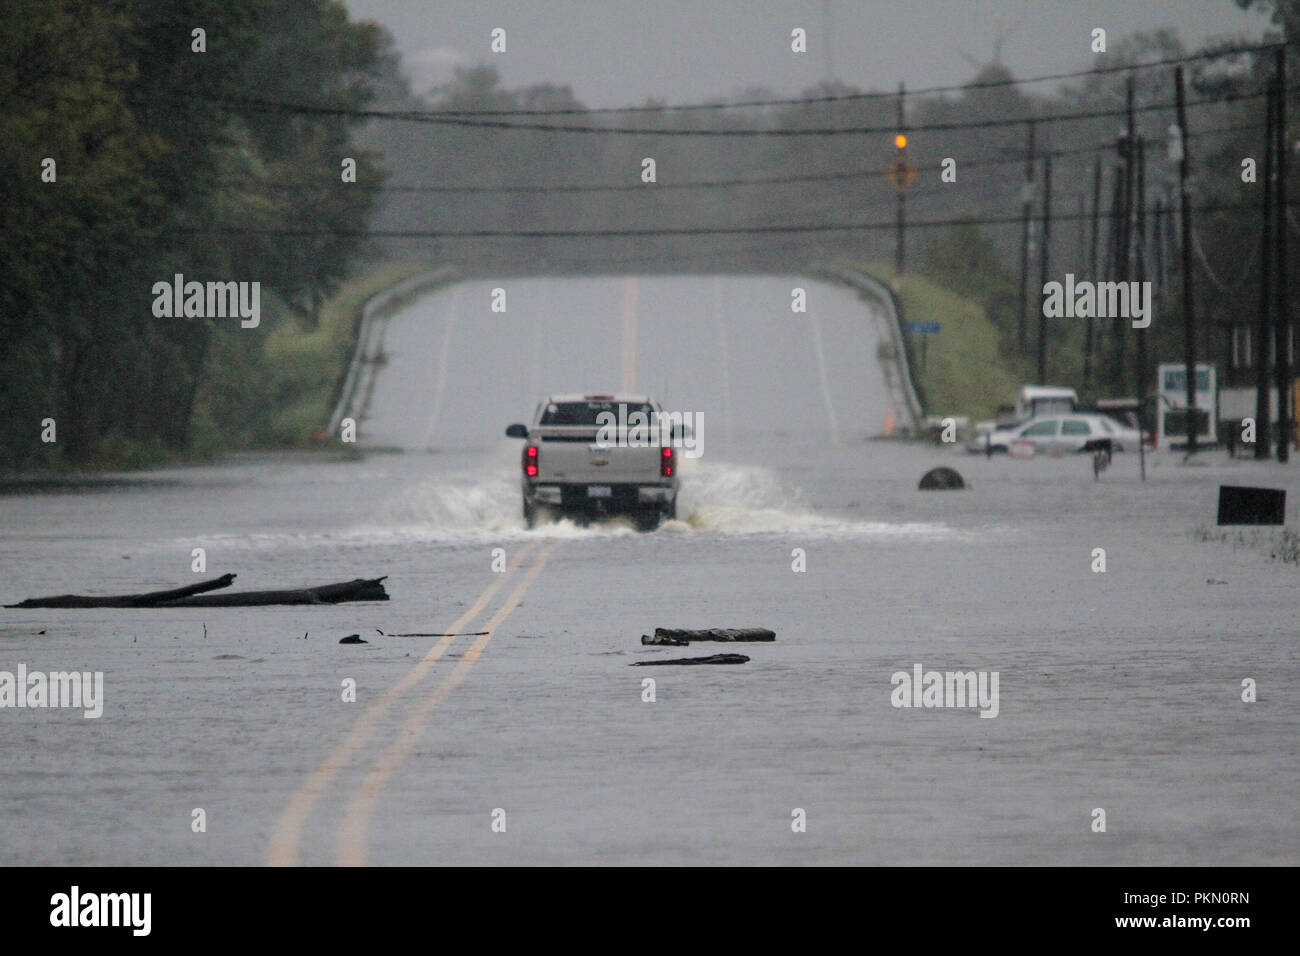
(227, 164)
(686, 51)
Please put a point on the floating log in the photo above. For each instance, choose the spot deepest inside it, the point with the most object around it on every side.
(128, 600)
(361, 589)
(713, 659)
(664, 639)
(674, 635)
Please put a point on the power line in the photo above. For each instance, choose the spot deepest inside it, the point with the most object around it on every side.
(657, 187)
(467, 120)
(829, 99)
(648, 233)
(1211, 54)
(857, 97)
(861, 173)
(257, 105)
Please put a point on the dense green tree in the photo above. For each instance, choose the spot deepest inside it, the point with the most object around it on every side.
(169, 160)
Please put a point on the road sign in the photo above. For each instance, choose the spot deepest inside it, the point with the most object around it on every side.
(901, 173)
(923, 328)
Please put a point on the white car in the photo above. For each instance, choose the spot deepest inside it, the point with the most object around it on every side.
(1072, 432)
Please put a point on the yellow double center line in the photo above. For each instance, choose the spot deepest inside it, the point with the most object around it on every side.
(285, 839)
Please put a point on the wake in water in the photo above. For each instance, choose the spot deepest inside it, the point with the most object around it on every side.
(483, 504)
(715, 497)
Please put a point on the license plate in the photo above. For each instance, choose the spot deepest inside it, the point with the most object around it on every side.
(599, 491)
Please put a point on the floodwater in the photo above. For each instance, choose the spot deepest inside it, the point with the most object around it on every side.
(536, 743)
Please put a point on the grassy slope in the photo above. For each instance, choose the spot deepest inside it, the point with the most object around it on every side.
(310, 365)
(964, 372)
(281, 394)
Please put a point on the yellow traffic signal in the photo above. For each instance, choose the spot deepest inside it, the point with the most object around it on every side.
(900, 141)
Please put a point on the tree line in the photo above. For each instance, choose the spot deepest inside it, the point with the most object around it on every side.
(123, 164)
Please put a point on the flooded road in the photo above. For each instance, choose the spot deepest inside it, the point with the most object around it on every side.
(527, 738)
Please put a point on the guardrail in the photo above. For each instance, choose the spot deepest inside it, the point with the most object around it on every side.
(361, 370)
(898, 372)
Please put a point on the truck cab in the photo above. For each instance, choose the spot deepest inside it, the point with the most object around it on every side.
(600, 455)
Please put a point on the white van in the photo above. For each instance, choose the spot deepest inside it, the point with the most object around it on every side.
(1045, 400)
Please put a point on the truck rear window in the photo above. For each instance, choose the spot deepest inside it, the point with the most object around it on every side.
(586, 413)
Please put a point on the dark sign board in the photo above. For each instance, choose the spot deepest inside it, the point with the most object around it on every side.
(1238, 505)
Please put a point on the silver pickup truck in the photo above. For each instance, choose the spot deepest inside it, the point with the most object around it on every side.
(586, 457)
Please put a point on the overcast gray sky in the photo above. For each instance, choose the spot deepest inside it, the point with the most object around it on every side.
(618, 52)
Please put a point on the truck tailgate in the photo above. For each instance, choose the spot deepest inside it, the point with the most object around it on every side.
(570, 453)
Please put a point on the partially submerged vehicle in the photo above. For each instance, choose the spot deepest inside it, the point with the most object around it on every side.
(590, 456)
(1058, 434)
(1031, 401)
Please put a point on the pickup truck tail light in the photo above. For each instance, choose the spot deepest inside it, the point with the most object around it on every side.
(666, 462)
(530, 461)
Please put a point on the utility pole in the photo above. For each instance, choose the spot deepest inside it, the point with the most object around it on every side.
(1130, 207)
(1189, 315)
(1026, 237)
(1282, 319)
(1044, 264)
(1262, 323)
(1140, 275)
(1167, 236)
(1157, 246)
(899, 248)
(1114, 271)
(1081, 220)
(1092, 273)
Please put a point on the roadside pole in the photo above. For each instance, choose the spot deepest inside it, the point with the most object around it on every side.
(1090, 333)
(1262, 323)
(1113, 268)
(1044, 265)
(1140, 275)
(901, 223)
(1130, 206)
(1282, 311)
(1189, 322)
(1026, 230)
(1132, 198)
